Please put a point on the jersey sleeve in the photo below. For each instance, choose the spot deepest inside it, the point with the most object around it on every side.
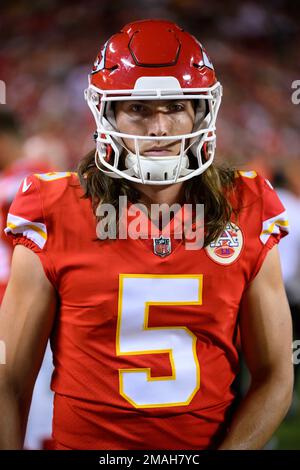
(274, 222)
(27, 223)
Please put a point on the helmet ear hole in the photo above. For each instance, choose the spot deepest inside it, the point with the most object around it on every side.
(109, 152)
(203, 152)
(105, 150)
(208, 150)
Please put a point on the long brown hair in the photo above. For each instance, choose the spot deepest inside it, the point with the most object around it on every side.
(214, 188)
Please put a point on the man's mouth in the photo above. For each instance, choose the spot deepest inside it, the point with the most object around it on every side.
(160, 151)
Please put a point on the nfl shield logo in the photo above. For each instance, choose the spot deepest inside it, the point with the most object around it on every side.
(162, 246)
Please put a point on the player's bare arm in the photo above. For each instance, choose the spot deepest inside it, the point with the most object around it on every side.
(26, 319)
(266, 335)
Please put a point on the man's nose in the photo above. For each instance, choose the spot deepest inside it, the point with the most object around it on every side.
(159, 125)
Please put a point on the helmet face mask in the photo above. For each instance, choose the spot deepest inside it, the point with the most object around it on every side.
(188, 66)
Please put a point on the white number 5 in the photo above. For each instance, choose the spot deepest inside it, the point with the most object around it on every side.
(134, 337)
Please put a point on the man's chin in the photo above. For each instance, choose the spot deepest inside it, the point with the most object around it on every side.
(158, 154)
(157, 187)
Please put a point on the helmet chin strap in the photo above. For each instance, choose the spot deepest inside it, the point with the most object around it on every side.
(154, 168)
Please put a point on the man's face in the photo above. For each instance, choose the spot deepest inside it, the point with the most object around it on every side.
(155, 118)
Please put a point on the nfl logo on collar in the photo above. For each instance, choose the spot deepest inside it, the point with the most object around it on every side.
(162, 246)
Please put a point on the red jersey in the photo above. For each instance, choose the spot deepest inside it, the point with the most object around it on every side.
(144, 345)
(10, 180)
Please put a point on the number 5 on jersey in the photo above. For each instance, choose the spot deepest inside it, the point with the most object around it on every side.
(136, 294)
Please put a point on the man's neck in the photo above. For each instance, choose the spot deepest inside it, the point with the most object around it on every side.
(168, 194)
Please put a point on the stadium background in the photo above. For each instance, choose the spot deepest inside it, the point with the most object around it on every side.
(48, 47)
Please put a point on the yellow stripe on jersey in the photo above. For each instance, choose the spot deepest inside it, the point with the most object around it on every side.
(273, 226)
(54, 175)
(247, 174)
(35, 231)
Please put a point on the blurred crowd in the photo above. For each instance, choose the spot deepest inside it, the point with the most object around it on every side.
(48, 47)
(47, 50)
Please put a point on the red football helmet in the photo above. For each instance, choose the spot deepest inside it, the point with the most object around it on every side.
(153, 60)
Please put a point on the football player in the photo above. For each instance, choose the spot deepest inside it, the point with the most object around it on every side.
(143, 330)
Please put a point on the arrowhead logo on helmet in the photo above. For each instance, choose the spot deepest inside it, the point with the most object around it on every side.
(99, 63)
(153, 60)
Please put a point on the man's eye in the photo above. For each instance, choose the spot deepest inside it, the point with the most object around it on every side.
(137, 108)
(175, 107)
